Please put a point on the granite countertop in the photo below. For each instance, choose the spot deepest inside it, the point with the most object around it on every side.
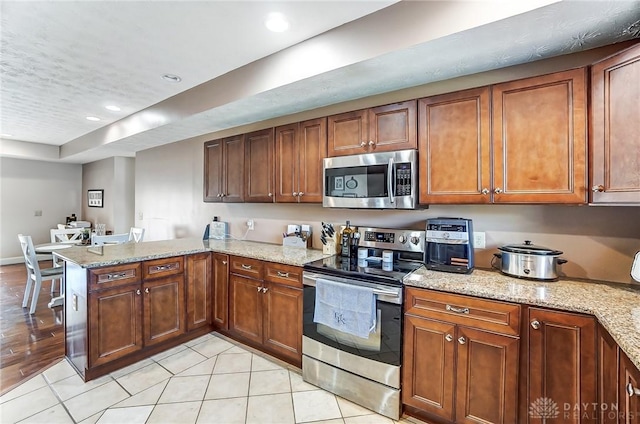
(99, 256)
(615, 305)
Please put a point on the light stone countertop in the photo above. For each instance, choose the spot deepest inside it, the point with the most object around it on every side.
(615, 305)
(93, 257)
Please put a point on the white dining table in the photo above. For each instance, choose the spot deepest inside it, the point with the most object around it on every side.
(50, 248)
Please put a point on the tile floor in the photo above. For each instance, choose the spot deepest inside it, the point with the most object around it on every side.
(207, 380)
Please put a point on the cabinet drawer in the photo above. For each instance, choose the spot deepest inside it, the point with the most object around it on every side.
(252, 268)
(163, 267)
(114, 276)
(490, 315)
(283, 274)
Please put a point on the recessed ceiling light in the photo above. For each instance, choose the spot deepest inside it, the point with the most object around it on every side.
(276, 22)
(112, 108)
(92, 118)
(6, 135)
(171, 78)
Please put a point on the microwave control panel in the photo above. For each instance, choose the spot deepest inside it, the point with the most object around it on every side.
(403, 179)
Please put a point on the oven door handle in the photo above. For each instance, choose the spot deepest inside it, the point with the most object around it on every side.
(375, 291)
(392, 198)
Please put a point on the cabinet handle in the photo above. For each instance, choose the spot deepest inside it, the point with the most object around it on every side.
(498, 190)
(259, 289)
(597, 188)
(270, 194)
(535, 324)
(163, 267)
(245, 266)
(222, 194)
(283, 274)
(138, 292)
(363, 144)
(116, 276)
(457, 310)
(146, 290)
(448, 337)
(264, 290)
(462, 340)
(371, 143)
(295, 194)
(224, 262)
(485, 191)
(632, 390)
(219, 195)
(300, 194)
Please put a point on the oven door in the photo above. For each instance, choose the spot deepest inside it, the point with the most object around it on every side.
(383, 345)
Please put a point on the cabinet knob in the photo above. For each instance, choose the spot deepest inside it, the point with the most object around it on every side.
(498, 190)
(363, 144)
(224, 262)
(300, 194)
(597, 188)
(295, 194)
(462, 340)
(270, 194)
(371, 143)
(146, 290)
(535, 324)
(265, 289)
(138, 292)
(485, 191)
(259, 289)
(448, 337)
(632, 390)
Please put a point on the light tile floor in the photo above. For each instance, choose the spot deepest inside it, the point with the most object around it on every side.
(207, 380)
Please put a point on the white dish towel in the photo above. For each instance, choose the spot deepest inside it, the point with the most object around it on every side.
(344, 307)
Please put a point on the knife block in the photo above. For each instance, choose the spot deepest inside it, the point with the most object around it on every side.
(332, 246)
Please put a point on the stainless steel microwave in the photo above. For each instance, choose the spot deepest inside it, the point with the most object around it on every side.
(385, 180)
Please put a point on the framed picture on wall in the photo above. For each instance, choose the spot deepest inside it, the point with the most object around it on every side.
(94, 198)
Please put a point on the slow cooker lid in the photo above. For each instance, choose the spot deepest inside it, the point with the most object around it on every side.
(529, 248)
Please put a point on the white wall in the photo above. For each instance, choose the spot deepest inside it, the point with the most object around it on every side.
(116, 176)
(27, 186)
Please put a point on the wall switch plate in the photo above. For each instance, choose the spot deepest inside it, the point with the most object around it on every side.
(250, 224)
(37, 213)
(479, 240)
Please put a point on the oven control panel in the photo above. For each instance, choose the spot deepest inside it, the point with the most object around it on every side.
(394, 239)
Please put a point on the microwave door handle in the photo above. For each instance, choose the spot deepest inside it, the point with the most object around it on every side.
(390, 181)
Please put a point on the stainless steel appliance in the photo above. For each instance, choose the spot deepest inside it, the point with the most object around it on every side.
(529, 261)
(363, 370)
(385, 180)
(449, 245)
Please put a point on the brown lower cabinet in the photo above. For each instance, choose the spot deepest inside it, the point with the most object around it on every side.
(559, 368)
(629, 391)
(117, 315)
(220, 288)
(453, 372)
(199, 286)
(265, 306)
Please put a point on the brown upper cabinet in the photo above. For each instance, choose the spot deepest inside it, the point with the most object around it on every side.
(522, 141)
(379, 129)
(224, 170)
(300, 149)
(615, 128)
(259, 166)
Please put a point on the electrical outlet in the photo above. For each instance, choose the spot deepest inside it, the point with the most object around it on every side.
(140, 216)
(250, 224)
(37, 213)
(479, 240)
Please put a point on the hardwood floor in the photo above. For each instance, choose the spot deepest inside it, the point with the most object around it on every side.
(28, 343)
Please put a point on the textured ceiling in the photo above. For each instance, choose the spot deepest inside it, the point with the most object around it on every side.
(69, 66)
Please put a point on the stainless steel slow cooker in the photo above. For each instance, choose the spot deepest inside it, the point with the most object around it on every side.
(529, 261)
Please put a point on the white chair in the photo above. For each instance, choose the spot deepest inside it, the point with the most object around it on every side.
(110, 239)
(34, 273)
(66, 235)
(136, 234)
(62, 227)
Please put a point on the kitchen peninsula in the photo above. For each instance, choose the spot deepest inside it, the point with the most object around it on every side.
(125, 277)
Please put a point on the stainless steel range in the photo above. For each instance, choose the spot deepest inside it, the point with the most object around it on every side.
(364, 369)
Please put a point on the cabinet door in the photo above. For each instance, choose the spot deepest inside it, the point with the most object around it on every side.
(347, 133)
(428, 366)
(562, 367)
(213, 168)
(221, 291)
(115, 324)
(164, 309)
(607, 376)
(259, 166)
(486, 383)
(283, 321)
(198, 290)
(539, 139)
(629, 391)
(455, 142)
(393, 127)
(615, 126)
(233, 169)
(311, 150)
(287, 163)
(245, 307)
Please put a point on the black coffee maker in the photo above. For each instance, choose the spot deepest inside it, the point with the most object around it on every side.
(449, 245)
